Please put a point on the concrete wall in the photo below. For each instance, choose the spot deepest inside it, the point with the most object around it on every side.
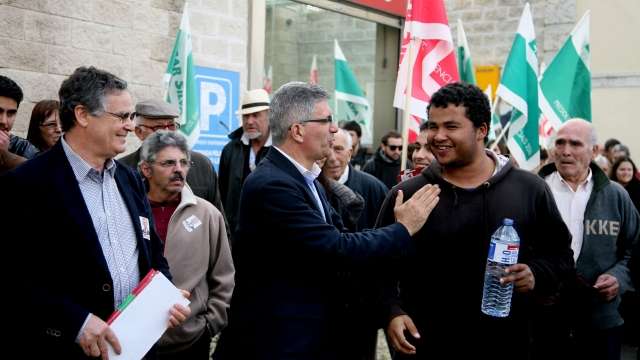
(43, 41)
(615, 68)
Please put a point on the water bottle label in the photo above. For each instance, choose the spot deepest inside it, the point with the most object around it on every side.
(503, 253)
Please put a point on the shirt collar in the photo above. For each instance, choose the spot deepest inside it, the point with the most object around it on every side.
(584, 183)
(309, 175)
(345, 176)
(245, 139)
(81, 169)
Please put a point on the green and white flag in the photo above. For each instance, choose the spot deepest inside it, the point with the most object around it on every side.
(519, 88)
(565, 86)
(179, 81)
(351, 103)
(465, 66)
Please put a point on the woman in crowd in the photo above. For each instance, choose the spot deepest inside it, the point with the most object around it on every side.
(623, 171)
(44, 127)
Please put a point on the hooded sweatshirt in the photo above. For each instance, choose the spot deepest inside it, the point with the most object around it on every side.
(440, 285)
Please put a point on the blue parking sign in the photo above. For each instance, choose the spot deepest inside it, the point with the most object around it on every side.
(218, 93)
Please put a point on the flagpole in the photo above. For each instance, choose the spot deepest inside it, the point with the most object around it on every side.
(504, 131)
(406, 114)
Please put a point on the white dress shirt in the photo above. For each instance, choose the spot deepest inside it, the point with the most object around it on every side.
(571, 205)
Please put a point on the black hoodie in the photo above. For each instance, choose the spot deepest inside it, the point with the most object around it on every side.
(440, 286)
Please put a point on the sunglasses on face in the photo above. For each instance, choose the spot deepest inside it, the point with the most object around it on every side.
(394, 147)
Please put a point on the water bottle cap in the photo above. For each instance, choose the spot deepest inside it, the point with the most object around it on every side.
(507, 222)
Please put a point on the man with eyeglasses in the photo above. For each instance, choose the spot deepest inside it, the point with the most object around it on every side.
(14, 150)
(289, 244)
(152, 115)
(385, 164)
(80, 230)
(248, 146)
(195, 244)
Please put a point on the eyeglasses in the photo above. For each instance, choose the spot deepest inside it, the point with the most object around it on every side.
(394, 147)
(51, 125)
(328, 119)
(172, 163)
(124, 117)
(172, 127)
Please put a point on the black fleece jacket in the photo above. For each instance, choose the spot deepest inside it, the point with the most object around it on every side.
(440, 285)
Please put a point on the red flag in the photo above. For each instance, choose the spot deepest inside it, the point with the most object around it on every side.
(433, 57)
(313, 74)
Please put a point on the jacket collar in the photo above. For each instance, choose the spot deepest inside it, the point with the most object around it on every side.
(600, 179)
(434, 171)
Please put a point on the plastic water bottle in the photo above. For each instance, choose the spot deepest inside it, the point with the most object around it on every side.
(503, 252)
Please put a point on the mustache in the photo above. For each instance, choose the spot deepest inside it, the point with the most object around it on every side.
(176, 176)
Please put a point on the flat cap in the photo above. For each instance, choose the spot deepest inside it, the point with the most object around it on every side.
(156, 109)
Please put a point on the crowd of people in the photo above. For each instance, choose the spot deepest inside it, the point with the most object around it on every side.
(305, 242)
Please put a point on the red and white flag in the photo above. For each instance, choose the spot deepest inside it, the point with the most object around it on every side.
(313, 74)
(267, 80)
(433, 58)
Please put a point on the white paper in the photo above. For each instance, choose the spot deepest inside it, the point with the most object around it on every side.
(146, 318)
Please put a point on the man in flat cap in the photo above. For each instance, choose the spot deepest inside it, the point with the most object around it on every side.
(248, 146)
(153, 115)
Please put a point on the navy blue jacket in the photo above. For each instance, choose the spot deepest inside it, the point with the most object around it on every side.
(53, 254)
(287, 257)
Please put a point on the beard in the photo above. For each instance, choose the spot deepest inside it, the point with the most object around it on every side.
(253, 135)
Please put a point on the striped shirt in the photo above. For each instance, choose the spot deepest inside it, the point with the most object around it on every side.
(111, 221)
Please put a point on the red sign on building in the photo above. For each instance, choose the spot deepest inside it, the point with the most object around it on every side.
(394, 7)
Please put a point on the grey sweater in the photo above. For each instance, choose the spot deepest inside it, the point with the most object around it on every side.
(611, 228)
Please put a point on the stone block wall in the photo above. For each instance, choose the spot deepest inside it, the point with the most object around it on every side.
(43, 41)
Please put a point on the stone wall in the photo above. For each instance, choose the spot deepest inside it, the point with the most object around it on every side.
(490, 26)
(43, 41)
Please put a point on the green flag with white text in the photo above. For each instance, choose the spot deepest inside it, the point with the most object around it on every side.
(519, 88)
(351, 103)
(179, 81)
(465, 66)
(565, 86)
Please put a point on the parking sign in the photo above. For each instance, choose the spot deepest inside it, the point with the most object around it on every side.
(218, 93)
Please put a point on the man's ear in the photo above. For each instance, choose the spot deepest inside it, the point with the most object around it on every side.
(145, 169)
(139, 132)
(483, 130)
(297, 133)
(82, 115)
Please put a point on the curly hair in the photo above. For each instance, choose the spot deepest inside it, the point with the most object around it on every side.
(475, 102)
(11, 90)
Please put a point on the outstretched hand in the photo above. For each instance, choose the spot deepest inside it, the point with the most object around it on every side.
(414, 212)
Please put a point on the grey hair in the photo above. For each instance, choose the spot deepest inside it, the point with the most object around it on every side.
(347, 136)
(159, 140)
(88, 87)
(292, 102)
(602, 161)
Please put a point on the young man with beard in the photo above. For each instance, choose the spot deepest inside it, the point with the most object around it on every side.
(435, 303)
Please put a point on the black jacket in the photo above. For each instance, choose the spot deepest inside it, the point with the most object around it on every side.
(234, 169)
(440, 287)
(372, 190)
(383, 168)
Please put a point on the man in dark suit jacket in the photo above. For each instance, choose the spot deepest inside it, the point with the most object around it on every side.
(80, 227)
(289, 245)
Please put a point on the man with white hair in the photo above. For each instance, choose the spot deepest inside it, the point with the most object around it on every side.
(338, 168)
(604, 226)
